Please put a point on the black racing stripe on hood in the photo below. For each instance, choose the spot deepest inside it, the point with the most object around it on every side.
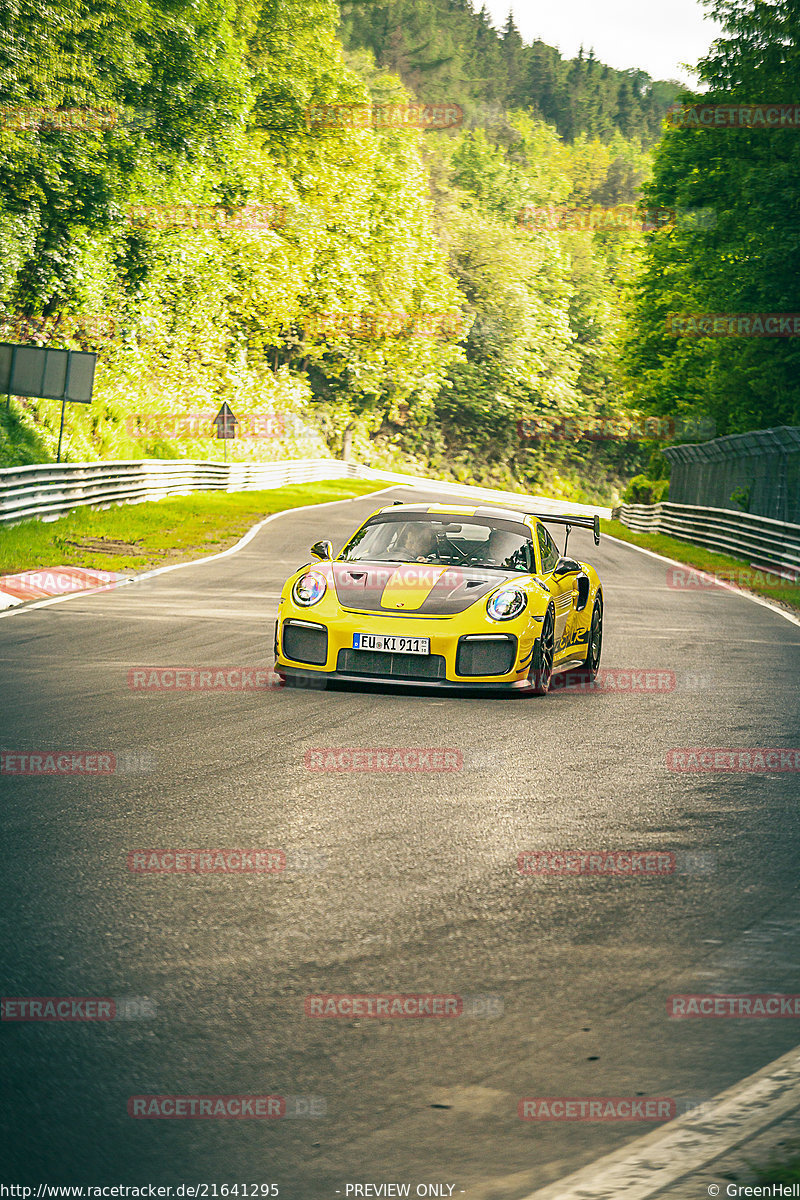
(361, 586)
(458, 589)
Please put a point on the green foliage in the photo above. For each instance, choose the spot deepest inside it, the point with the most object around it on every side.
(443, 48)
(741, 498)
(642, 490)
(210, 104)
(737, 250)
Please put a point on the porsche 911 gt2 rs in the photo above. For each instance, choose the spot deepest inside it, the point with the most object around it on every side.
(445, 596)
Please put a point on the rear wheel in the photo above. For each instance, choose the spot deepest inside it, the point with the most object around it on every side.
(593, 651)
(542, 667)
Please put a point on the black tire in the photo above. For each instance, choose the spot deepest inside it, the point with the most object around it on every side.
(542, 667)
(594, 649)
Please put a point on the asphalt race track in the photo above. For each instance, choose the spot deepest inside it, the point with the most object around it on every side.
(396, 882)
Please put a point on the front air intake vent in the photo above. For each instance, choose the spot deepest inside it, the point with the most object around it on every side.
(305, 642)
(379, 664)
(485, 655)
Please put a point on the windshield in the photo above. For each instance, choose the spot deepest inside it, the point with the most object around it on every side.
(503, 545)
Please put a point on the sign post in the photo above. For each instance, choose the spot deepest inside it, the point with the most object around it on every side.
(61, 430)
(226, 424)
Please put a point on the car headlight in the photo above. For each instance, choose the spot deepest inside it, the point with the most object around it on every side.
(506, 603)
(309, 589)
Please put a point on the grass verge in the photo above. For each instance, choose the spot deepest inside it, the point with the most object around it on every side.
(724, 567)
(786, 1172)
(136, 537)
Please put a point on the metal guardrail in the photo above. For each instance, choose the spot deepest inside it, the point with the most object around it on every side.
(50, 489)
(761, 540)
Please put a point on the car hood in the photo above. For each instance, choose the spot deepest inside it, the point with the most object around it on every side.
(426, 589)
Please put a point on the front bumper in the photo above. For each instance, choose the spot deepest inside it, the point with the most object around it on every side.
(321, 679)
(459, 648)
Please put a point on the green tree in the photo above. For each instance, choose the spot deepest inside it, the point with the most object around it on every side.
(732, 249)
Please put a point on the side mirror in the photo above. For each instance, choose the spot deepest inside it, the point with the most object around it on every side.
(323, 550)
(566, 566)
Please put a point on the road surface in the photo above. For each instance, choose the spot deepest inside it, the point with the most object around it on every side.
(399, 882)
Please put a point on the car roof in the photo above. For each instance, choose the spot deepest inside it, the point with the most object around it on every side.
(458, 510)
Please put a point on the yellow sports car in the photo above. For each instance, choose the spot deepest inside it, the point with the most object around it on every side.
(445, 596)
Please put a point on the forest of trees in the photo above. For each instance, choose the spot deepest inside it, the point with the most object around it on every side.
(445, 47)
(746, 258)
(429, 290)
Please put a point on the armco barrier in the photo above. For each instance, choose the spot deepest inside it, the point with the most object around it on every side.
(761, 540)
(51, 489)
(48, 490)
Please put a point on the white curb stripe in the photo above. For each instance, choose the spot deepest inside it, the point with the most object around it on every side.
(404, 482)
(427, 485)
(717, 582)
(248, 537)
(654, 1163)
(42, 583)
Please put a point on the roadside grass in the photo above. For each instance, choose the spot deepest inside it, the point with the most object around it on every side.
(136, 537)
(787, 1172)
(728, 569)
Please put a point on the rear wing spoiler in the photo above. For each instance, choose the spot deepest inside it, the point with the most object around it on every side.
(571, 523)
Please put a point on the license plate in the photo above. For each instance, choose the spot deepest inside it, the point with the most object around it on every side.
(388, 641)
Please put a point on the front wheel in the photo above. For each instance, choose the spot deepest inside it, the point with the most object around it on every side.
(595, 647)
(542, 667)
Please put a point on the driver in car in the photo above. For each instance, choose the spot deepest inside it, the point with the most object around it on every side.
(502, 549)
(418, 541)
